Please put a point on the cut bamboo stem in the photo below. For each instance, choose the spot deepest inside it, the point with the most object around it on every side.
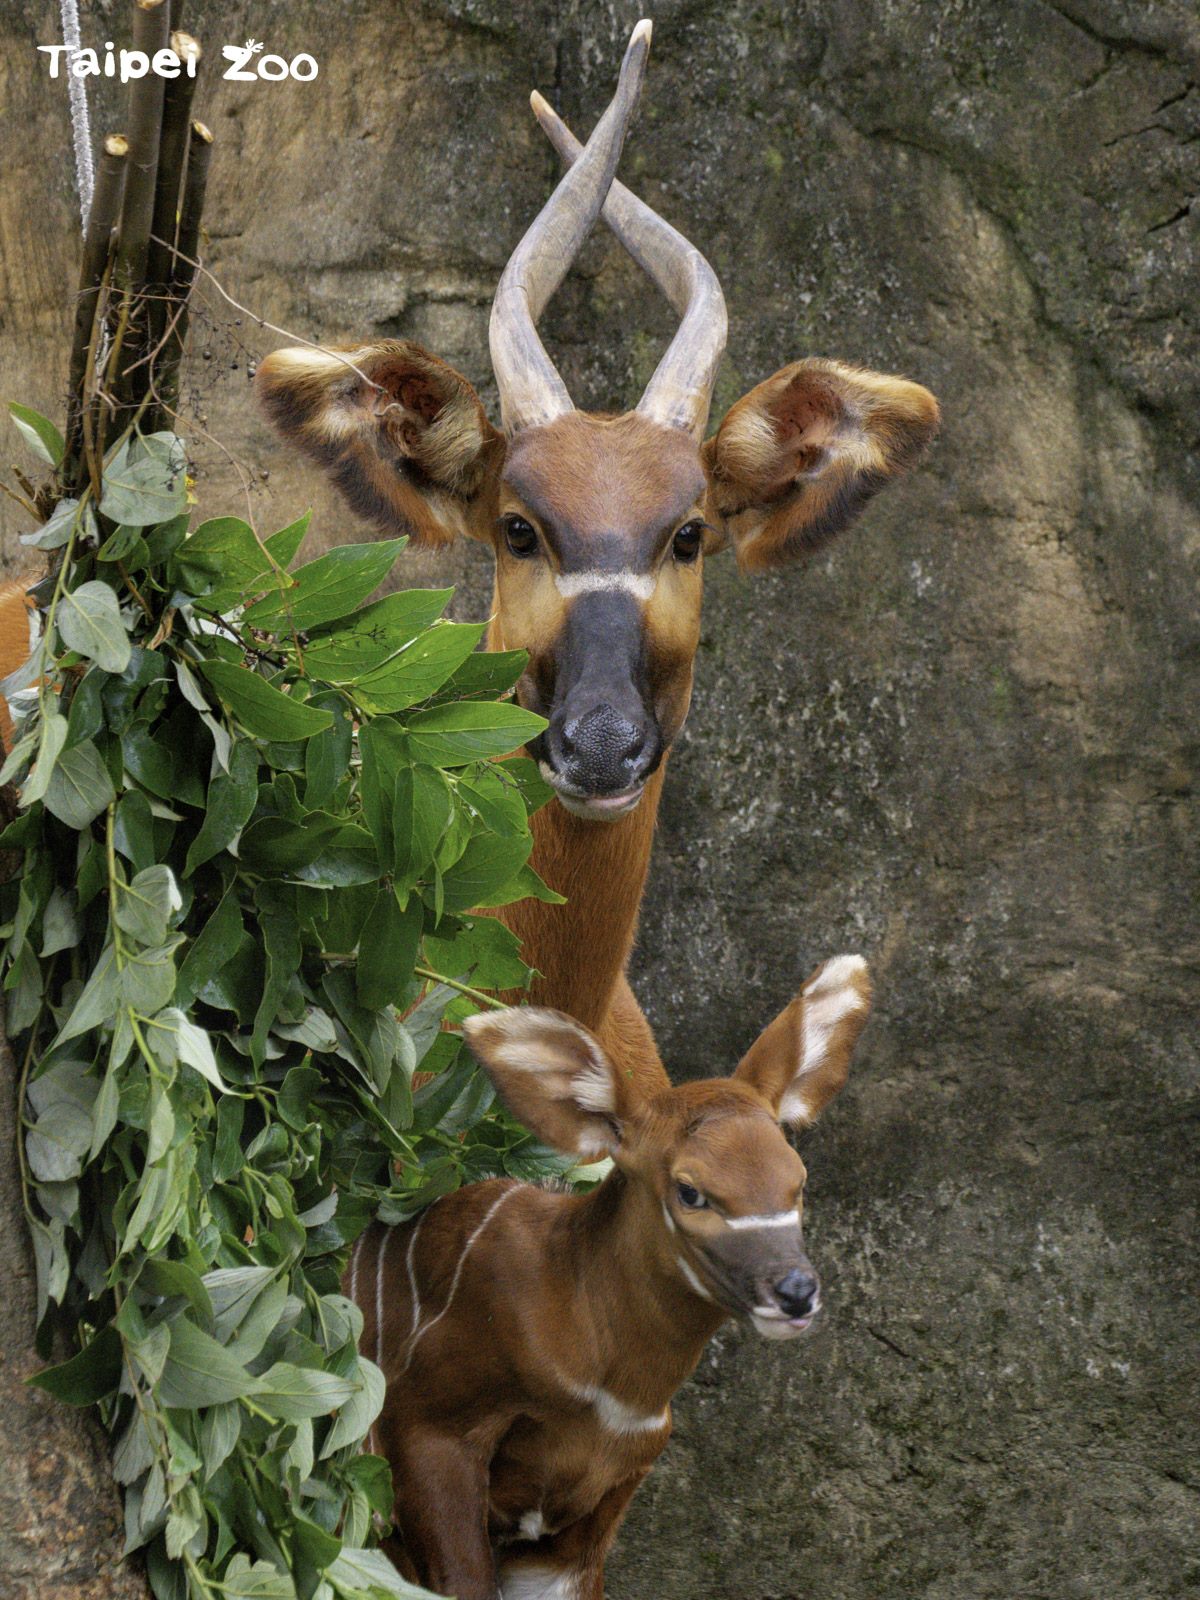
(151, 22)
(150, 33)
(97, 244)
(190, 211)
(168, 181)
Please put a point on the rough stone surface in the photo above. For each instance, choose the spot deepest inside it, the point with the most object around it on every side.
(964, 741)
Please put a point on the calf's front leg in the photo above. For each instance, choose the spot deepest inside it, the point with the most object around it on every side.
(441, 1514)
(570, 1564)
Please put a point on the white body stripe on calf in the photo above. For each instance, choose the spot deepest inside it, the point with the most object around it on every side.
(419, 1333)
(775, 1219)
(615, 1415)
(354, 1255)
(571, 584)
(414, 1293)
(383, 1244)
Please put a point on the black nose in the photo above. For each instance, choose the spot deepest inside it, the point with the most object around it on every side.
(604, 748)
(797, 1293)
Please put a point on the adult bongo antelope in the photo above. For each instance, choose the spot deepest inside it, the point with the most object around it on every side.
(532, 1341)
(600, 526)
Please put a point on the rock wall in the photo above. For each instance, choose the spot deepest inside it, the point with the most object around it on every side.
(963, 741)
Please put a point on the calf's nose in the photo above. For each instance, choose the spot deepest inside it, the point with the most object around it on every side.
(796, 1293)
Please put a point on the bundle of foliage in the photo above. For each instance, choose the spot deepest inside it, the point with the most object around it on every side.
(257, 817)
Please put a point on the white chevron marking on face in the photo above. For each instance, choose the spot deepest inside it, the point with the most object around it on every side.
(570, 584)
(776, 1219)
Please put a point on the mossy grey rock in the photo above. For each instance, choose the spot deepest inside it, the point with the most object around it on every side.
(963, 741)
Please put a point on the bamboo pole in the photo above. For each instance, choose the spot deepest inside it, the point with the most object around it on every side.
(190, 211)
(168, 181)
(97, 244)
(126, 379)
(150, 33)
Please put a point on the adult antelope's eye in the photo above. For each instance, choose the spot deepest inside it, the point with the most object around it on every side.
(688, 539)
(520, 538)
(691, 1199)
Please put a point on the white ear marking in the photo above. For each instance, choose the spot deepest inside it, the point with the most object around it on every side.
(831, 995)
(527, 1038)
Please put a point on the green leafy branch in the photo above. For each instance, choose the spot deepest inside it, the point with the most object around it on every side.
(263, 821)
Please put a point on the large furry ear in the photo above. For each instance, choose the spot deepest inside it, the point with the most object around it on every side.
(554, 1077)
(401, 434)
(800, 1061)
(796, 460)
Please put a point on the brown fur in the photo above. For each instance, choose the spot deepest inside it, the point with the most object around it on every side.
(524, 1313)
(15, 606)
(796, 460)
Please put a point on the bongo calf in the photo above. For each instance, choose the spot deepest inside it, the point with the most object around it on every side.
(532, 1340)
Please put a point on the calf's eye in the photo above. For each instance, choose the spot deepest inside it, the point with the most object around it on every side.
(687, 542)
(520, 538)
(690, 1198)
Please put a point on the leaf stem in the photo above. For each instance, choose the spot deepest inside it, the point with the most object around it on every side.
(463, 988)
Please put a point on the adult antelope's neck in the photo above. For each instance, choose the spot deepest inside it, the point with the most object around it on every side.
(581, 948)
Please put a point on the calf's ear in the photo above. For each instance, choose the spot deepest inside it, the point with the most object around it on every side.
(801, 1060)
(402, 435)
(796, 460)
(554, 1077)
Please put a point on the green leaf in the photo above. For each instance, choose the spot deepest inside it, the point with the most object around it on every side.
(387, 950)
(212, 948)
(88, 1376)
(358, 1572)
(221, 562)
(284, 544)
(218, 1434)
(359, 1412)
(89, 621)
(127, 545)
(488, 863)
(58, 1143)
(416, 672)
(525, 884)
(291, 1392)
(144, 908)
(148, 977)
(52, 736)
(485, 949)
(281, 942)
(145, 480)
(258, 1581)
(328, 587)
(422, 810)
(372, 637)
(454, 735)
(191, 1044)
(38, 432)
(231, 800)
(262, 709)
(233, 1290)
(58, 526)
(201, 1372)
(97, 1001)
(488, 672)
